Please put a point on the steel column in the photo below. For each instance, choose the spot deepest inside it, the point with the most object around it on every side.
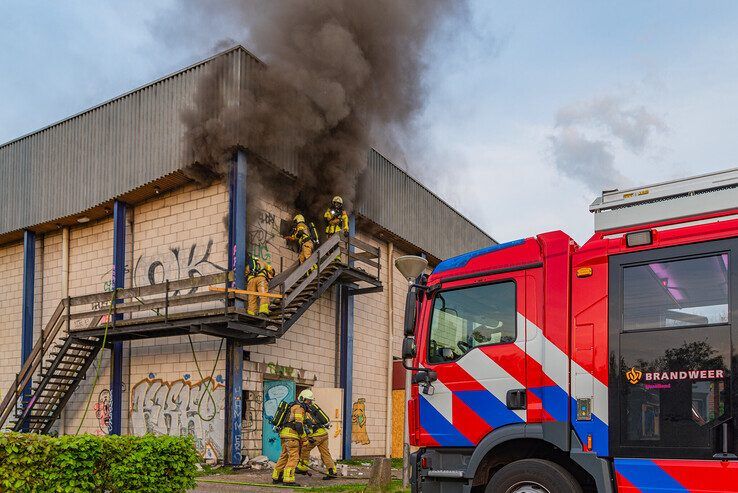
(29, 275)
(118, 281)
(233, 404)
(237, 249)
(347, 355)
(237, 227)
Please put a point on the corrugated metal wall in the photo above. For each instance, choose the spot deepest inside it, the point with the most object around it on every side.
(104, 152)
(394, 200)
(127, 142)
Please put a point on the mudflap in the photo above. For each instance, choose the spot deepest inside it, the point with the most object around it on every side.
(414, 471)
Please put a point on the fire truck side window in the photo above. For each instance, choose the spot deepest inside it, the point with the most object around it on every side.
(677, 293)
(469, 317)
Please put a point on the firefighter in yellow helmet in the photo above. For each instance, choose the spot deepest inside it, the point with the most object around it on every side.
(301, 235)
(258, 274)
(316, 427)
(292, 436)
(336, 218)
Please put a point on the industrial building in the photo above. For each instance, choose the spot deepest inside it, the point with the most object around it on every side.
(109, 323)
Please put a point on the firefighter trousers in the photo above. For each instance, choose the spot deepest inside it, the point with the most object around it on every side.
(306, 249)
(288, 460)
(260, 303)
(321, 442)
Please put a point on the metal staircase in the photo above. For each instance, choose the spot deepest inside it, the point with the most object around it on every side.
(74, 336)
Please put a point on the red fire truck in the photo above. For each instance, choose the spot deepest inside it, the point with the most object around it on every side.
(541, 366)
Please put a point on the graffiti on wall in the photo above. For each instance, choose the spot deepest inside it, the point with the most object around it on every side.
(175, 262)
(289, 372)
(103, 411)
(179, 408)
(106, 282)
(262, 234)
(358, 423)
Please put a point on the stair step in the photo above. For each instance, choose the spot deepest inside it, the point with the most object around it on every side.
(39, 419)
(71, 350)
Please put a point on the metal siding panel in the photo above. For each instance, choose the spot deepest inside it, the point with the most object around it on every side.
(104, 152)
(439, 229)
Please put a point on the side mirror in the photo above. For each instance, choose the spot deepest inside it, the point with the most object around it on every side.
(411, 304)
(409, 349)
(425, 380)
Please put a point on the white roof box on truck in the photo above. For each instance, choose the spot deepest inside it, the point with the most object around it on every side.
(703, 194)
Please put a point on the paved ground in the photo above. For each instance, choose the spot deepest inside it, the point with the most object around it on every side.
(260, 481)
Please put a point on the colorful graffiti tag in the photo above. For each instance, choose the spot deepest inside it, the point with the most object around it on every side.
(181, 408)
(358, 423)
(103, 411)
(262, 234)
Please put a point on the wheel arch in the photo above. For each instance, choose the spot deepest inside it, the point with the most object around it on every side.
(549, 441)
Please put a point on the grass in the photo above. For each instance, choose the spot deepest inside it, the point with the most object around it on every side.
(357, 462)
(396, 462)
(395, 487)
(208, 470)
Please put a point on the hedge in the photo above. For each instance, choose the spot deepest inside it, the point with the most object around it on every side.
(88, 463)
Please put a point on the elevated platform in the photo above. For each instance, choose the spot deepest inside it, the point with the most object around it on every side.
(206, 305)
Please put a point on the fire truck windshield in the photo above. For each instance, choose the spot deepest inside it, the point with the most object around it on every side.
(469, 317)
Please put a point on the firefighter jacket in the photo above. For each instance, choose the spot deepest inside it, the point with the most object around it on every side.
(295, 426)
(300, 234)
(337, 221)
(318, 431)
(258, 267)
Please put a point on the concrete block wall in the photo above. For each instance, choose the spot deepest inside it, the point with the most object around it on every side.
(179, 235)
(307, 352)
(90, 271)
(11, 293)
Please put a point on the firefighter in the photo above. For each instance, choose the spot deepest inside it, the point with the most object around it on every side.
(259, 273)
(336, 218)
(292, 436)
(301, 234)
(317, 436)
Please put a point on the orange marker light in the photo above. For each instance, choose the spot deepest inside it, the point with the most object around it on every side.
(584, 271)
(589, 442)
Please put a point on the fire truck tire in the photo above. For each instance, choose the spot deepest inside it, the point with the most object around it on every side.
(533, 476)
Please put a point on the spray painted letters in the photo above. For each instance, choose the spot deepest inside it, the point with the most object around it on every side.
(262, 234)
(181, 408)
(175, 263)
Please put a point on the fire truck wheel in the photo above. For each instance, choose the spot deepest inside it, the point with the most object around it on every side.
(533, 476)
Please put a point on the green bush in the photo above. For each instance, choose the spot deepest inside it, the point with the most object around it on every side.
(87, 463)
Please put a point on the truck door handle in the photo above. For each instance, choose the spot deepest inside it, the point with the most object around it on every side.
(725, 455)
(516, 399)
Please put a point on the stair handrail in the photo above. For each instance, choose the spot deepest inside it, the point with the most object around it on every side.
(33, 361)
(311, 261)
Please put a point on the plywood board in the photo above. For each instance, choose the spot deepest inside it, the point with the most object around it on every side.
(331, 401)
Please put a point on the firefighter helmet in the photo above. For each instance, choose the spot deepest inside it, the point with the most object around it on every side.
(299, 218)
(306, 395)
(337, 200)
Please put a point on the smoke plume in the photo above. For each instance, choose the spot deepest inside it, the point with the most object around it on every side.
(337, 74)
(588, 132)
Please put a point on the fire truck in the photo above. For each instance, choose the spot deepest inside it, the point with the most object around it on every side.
(542, 366)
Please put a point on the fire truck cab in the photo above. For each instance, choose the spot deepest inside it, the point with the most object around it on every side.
(541, 366)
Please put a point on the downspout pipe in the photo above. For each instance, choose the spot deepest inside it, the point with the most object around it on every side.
(64, 294)
(390, 341)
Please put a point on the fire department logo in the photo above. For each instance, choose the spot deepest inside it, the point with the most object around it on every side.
(634, 376)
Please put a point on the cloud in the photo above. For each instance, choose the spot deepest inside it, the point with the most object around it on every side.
(588, 134)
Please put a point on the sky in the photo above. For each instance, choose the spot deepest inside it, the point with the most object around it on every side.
(532, 108)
